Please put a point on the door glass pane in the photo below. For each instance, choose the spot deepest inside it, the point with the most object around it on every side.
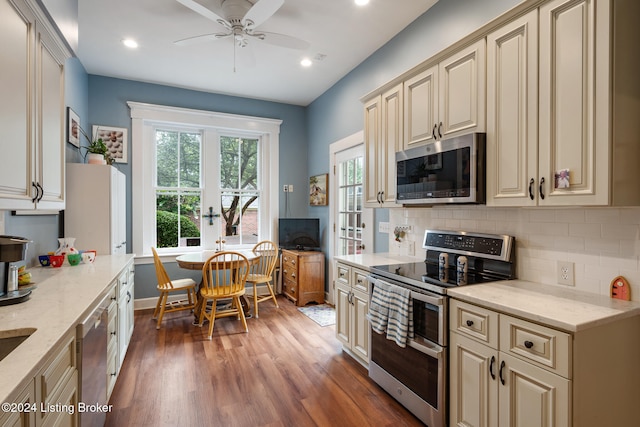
(349, 206)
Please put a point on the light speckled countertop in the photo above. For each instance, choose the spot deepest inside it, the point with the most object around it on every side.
(367, 260)
(61, 300)
(560, 307)
(563, 308)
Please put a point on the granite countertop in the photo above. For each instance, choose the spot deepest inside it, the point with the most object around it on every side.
(562, 308)
(62, 298)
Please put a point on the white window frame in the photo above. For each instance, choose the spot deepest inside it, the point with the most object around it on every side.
(145, 118)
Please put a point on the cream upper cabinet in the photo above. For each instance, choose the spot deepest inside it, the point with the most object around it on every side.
(512, 113)
(570, 113)
(565, 108)
(32, 112)
(446, 99)
(383, 137)
(420, 108)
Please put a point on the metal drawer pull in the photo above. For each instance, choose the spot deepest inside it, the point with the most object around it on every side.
(502, 364)
(469, 322)
(528, 344)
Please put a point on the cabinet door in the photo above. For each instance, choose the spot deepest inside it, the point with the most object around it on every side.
(343, 318)
(462, 89)
(512, 113)
(25, 418)
(372, 131)
(360, 325)
(50, 121)
(571, 73)
(16, 86)
(420, 108)
(473, 383)
(391, 141)
(532, 396)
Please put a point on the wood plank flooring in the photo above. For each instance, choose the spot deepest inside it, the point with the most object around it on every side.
(287, 371)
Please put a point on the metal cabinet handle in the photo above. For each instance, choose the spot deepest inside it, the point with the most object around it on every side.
(502, 365)
(531, 188)
(528, 344)
(541, 190)
(433, 131)
(382, 197)
(113, 333)
(469, 322)
(493, 360)
(33, 184)
(41, 191)
(440, 130)
(128, 297)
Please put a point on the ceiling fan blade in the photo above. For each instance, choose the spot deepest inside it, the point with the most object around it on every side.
(201, 38)
(283, 40)
(261, 11)
(200, 9)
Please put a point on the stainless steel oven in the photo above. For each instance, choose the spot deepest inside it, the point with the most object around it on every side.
(417, 375)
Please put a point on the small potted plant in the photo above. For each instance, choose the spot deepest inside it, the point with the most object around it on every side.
(97, 151)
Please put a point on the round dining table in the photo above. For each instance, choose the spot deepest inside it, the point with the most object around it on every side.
(196, 260)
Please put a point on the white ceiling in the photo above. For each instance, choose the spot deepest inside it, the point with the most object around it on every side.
(347, 34)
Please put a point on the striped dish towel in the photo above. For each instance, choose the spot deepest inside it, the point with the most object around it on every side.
(391, 311)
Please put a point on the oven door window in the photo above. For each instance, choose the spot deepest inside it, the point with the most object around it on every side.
(435, 176)
(426, 320)
(416, 370)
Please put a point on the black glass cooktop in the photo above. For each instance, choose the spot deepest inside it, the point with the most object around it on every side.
(424, 272)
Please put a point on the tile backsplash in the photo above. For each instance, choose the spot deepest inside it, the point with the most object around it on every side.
(601, 242)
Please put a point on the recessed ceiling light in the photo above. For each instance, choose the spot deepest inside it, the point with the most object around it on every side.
(362, 2)
(306, 62)
(130, 43)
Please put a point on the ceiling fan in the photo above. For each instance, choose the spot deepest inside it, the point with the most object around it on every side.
(240, 19)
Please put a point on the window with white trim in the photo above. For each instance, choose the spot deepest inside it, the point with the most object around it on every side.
(200, 177)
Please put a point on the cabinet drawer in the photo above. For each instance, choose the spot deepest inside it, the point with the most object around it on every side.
(112, 369)
(545, 347)
(474, 322)
(290, 273)
(360, 282)
(343, 274)
(112, 328)
(291, 289)
(60, 368)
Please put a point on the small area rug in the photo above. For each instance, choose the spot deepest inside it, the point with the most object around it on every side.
(322, 314)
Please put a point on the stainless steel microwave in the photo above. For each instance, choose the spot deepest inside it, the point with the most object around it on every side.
(445, 171)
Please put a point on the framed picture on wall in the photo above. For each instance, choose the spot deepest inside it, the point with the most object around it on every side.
(73, 128)
(318, 190)
(115, 139)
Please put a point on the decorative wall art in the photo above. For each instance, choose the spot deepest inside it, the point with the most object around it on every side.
(115, 139)
(318, 190)
(73, 128)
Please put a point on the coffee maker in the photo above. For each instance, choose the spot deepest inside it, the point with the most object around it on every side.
(12, 249)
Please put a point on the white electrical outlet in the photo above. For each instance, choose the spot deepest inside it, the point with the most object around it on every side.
(285, 188)
(565, 273)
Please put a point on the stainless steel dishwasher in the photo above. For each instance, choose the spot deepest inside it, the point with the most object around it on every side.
(92, 354)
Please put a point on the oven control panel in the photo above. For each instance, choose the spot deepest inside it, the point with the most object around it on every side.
(476, 244)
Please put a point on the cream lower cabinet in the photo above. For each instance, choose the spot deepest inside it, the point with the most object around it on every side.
(382, 138)
(508, 371)
(125, 311)
(558, 80)
(52, 394)
(32, 112)
(352, 306)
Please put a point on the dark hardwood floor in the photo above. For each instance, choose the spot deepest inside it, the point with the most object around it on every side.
(287, 371)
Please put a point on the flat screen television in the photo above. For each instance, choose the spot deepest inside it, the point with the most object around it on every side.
(299, 233)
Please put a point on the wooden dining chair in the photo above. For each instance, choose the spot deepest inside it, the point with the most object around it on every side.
(261, 272)
(166, 287)
(224, 276)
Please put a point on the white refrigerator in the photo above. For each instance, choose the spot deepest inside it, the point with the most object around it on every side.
(96, 208)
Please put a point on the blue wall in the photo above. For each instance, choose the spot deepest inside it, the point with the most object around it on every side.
(306, 133)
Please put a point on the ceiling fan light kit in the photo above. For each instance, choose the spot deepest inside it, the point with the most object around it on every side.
(240, 18)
